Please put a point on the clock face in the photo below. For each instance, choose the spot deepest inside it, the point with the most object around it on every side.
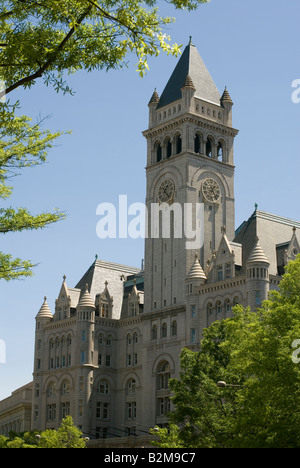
(166, 191)
(211, 190)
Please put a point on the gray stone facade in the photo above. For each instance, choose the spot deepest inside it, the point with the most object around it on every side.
(106, 353)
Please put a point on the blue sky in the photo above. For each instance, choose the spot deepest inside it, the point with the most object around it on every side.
(250, 47)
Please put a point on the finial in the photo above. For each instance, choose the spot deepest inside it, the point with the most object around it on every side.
(45, 298)
(223, 229)
(294, 229)
(190, 43)
(256, 206)
(96, 257)
(64, 278)
(106, 283)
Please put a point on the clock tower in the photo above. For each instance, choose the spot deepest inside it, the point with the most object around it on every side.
(190, 180)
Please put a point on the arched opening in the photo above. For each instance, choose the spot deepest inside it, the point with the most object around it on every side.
(158, 153)
(178, 144)
(209, 148)
(169, 148)
(197, 144)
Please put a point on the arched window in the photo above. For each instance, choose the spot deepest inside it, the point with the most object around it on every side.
(220, 151)
(178, 144)
(158, 153)
(154, 332)
(65, 388)
(51, 389)
(209, 148)
(131, 386)
(209, 309)
(174, 328)
(227, 306)
(197, 144)
(219, 307)
(103, 388)
(163, 375)
(169, 148)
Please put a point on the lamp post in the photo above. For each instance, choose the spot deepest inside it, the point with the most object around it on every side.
(222, 384)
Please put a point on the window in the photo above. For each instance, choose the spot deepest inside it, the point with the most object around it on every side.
(209, 309)
(227, 306)
(154, 332)
(51, 412)
(65, 388)
(164, 330)
(158, 153)
(104, 310)
(65, 409)
(174, 328)
(193, 335)
(169, 148)
(219, 307)
(220, 151)
(209, 148)
(103, 388)
(220, 273)
(82, 357)
(257, 298)
(193, 311)
(163, 406)
(228, 270)
(131, 385)
(83, 335)
(178, 144)
(197, 144)
(131, 410)
(163, 376)
(108, 360)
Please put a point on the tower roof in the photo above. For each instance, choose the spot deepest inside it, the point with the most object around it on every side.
(45, 311)
(196, 272)
(258, 255)
(191, 65)
(85, 299)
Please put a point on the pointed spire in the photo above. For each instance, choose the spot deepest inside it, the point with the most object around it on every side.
(85, 299)
(155, 98)
(258, 255)
(190, 64)
(188, 83)
(226, 97)
(196, 272)
(45, 311)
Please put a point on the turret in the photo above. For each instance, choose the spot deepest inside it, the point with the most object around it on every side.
(196, 277)
(188, 91)
(154, 101)
(227, 103)
(257, 276)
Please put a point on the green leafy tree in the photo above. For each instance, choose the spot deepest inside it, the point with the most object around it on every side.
(22, 145)
(67, 436)
(50, 39)
(45, 39)
(255, 354)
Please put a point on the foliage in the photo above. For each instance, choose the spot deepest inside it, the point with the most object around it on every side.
(47, 38)
(67, 436)
(22, 145)
(252, 352)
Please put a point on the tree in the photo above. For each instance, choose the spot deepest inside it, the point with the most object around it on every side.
(45, 39)
(22, 145)
(253, 353)
(48, 40)
(67, 436)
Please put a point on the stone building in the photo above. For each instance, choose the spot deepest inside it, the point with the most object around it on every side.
(106, 352)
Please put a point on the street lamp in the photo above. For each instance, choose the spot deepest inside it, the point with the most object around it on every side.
(222, 384)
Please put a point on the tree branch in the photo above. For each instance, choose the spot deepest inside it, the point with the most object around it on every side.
(39, 73)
